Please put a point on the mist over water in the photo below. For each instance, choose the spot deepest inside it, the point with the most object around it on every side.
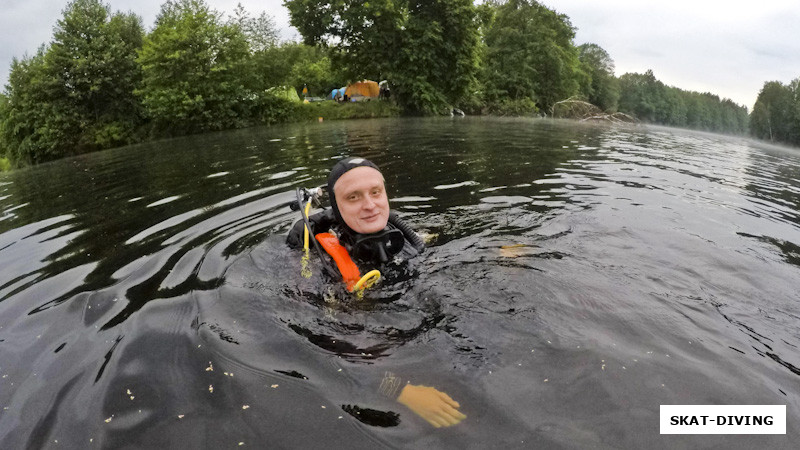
(578, 276)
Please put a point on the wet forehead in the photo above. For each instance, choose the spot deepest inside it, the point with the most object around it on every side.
(358, 179)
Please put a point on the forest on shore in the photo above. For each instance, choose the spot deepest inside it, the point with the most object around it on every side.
(104, 81)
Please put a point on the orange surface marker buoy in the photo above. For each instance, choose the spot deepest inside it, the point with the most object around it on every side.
(346, 266)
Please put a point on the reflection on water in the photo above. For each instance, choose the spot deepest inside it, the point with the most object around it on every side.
(578, 277)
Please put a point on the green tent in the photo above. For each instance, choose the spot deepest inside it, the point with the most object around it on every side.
(286, 92)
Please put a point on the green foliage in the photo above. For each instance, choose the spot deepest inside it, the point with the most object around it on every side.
(5, 164)
(427, 49)
(196, 71)
(649, 100)
(776, 114)
(76, 95)
(296, 65)
(260, 31)
(102, 83)
(330, 110)
(273, 109)
(28, 122)
(512, 107)
(601, 87)
(93, 57)
(530, 54)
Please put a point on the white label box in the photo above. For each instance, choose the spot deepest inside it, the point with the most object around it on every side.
(723, 419)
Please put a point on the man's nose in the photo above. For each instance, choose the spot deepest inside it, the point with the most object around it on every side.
(369, 203)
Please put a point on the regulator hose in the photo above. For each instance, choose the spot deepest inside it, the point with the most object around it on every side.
(410, 234)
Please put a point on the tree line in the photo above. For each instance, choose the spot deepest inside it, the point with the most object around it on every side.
(776, 114)
(103, 81)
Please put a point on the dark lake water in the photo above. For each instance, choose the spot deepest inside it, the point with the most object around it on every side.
(577, 278)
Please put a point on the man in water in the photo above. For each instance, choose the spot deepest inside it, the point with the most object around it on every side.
(370, 231)
(360, 216)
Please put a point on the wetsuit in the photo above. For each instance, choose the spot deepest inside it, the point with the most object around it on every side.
(326, 221)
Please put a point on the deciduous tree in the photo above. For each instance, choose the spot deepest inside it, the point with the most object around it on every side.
(196, 71)
(602, 88)
(776, 114)
(530, 54)
(426, 49)
(77, 94)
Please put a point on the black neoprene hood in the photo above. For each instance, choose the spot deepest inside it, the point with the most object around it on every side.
(339, 169)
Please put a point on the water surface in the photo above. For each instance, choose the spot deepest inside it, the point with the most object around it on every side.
(578, 277)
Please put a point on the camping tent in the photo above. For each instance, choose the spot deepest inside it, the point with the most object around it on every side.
(364, 88)
(286, 92)
(337, 94)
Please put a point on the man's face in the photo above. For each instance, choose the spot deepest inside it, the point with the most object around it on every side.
(361, 197)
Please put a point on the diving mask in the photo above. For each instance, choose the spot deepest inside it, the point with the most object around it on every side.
(380, 246)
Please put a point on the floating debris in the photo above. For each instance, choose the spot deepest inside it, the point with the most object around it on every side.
(180, 416)
(109, 419)
(274, 386)
(546, 380)
(245, 406)
(210, 367)
(211, 388)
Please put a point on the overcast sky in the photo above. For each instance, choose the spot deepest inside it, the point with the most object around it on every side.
(727, 47)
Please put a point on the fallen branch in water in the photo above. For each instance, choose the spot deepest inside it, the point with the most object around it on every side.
(617, 117)
(573, 108)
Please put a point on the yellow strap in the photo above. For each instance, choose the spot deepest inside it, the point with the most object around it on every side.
(305, 228)
(305, 270)
(367, 280)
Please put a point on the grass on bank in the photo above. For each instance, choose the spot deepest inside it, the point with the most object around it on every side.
(330, 110)
(5, 164)
(283, 111)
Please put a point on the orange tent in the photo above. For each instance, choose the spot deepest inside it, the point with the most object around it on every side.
(364, 88)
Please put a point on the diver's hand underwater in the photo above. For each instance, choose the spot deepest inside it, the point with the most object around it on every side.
(431, 404)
